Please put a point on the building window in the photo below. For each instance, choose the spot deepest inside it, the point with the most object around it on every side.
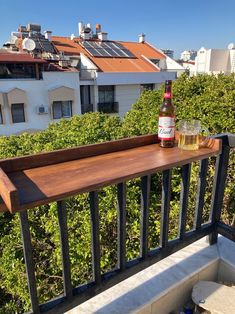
(106, 94)
(106, 102)
(17, 112)
(86, 105)
(62, 109)
(144, 87)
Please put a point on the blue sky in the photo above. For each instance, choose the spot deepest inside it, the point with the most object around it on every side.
(177, 25)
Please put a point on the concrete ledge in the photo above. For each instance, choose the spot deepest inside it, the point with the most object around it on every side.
(166, 285)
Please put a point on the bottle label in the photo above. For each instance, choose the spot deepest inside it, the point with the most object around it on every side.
(166, 128)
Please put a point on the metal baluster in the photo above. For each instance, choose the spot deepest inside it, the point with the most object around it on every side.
(184, 199)
(95, 240)
(121, 225)
(62, 219)
(145, 192)
(200, 193)
(28, 256)
(218, 189)
(165, 207)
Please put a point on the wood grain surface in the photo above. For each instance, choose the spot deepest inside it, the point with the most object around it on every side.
(41, 185)
(75, 153)
(8, 192)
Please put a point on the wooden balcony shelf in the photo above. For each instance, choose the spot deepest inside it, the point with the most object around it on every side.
(29, 181)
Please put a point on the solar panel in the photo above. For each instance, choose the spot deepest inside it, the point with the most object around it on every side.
(43, 44)
(94, 52)
(107, 49)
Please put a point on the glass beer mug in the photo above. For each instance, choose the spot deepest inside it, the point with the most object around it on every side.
(191, 135)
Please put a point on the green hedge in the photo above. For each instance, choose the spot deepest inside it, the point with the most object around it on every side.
(208, 98)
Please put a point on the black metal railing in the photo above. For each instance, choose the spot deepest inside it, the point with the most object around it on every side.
(87, 108)
(74, 296)
(109, 107)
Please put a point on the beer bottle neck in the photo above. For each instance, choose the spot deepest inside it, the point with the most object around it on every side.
(168, 93)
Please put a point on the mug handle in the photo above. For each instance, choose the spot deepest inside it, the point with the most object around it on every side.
(204, 137)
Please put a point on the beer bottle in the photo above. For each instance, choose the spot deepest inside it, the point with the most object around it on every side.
(166, 122)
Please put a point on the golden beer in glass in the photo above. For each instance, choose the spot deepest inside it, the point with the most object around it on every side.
(189, 141)
(189, 134)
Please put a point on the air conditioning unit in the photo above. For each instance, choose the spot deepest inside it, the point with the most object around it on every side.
(42, 110)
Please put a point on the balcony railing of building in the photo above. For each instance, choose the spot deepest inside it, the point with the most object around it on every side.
(108, 107)
(113, 162)
(87, 108)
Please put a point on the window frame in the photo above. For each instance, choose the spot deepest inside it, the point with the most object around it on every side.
(12, 115)
(61, 102)
(103, 93)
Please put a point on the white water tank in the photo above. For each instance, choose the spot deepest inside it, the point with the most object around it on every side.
(103, 36)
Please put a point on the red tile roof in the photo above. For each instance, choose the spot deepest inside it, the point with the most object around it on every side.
(19, 58)
(143, 49)
(67, 45)
(138, 64)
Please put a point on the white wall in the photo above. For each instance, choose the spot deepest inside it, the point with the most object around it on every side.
(37, 94)
(202, 61)
(232, 60)
(173, 66)
(219, 61)
(68, 79)
(88, 68)
(213, 61)
(126, 96)
(126, 78)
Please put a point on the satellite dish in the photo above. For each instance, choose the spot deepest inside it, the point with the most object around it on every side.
(28, 44)
(231, 46)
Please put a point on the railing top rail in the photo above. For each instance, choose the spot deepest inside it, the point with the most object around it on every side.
(228, 139)
(87, 168)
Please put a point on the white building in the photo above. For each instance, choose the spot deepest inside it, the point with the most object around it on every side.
(44, 78)
(214, 61)
(188, 55)
(30, 104)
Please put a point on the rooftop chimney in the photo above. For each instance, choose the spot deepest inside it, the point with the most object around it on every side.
(47, 35)
(98, 28)
(103, 36)
(142, 38)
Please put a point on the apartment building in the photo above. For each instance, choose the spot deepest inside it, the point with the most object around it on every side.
(44, 78)
(215, 61)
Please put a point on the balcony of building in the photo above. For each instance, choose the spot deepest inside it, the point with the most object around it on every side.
(160, 279)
